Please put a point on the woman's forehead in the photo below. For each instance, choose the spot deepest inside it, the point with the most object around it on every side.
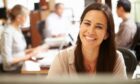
(95, 15)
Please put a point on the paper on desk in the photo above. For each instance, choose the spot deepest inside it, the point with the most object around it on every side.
(31, 66)
(48, 58)
(57, 41)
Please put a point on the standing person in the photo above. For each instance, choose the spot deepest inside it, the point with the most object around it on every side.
(13, 44)
(95, 51)
(127, 29)
(56, 23)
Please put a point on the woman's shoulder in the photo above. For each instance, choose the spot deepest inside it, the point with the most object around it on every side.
(67, 54)
(120, 68)
(120, 59)
(8, 29)
(119, 55)
(68, 50)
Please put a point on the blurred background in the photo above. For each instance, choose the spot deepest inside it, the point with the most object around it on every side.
(73, 9)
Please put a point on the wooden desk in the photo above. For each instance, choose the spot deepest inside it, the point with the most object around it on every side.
(40, 66)
(44, 72)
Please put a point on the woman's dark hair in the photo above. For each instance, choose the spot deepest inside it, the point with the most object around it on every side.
(125, 4)
(107, 53)
(17, 10)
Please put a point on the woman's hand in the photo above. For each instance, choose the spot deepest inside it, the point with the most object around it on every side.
(34, 51)
(28, 51)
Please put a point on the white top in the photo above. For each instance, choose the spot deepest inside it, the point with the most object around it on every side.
(1, 30)
(56, 25)
(13, 45)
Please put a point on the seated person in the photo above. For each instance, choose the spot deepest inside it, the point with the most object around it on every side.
(56, 23)
(124, 37)
(56, 27)
(95, 51)
(13, 44)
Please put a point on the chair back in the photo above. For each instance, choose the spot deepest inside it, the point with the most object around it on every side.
(136, 42)
(129, 59)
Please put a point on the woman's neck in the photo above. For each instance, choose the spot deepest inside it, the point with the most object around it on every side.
(15, 25)
(90, 55)
(90, 59)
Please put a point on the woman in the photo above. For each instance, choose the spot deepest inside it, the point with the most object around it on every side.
(95, 51)
(13, 44)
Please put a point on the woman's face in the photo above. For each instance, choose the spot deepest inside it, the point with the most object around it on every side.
(21, 19)
(93, 29)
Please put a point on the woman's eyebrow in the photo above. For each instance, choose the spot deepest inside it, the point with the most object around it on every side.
(87, 20)
(100, 24)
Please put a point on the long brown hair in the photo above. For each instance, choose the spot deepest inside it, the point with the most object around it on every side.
(107, 53)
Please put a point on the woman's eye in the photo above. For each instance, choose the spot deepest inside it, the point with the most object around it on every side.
(88, 24)
(100, 27)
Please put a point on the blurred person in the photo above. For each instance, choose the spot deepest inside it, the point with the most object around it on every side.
(127, 29)
(3, 18)
(56, 23)
(95, 51)
(13, 44)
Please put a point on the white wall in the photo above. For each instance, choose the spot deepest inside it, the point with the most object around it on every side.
(27, 3)
(117, 20)
(1, 4)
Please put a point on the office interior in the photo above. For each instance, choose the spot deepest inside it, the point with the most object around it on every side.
(33, 28)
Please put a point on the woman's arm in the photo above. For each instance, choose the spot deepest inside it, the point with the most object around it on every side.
(120, 68)
(7, 50)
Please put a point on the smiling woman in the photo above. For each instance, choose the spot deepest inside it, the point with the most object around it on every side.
(95, 51)
(93, 29)
(92, 33)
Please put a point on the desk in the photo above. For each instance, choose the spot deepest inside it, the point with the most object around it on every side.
(34, 72)
(31, 67)
(40, 66)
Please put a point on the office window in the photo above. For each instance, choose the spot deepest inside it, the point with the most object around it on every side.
(135, 10)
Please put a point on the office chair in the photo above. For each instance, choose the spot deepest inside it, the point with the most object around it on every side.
(130, 61)
(136, 42)
(41, 29)
(1, 68)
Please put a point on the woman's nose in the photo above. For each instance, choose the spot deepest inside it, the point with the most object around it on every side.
(91, 30)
